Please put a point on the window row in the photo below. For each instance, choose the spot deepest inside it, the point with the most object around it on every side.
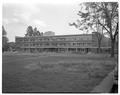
(51, 39)
(58, 44)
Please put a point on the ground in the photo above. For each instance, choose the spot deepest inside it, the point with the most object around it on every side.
(54, 72)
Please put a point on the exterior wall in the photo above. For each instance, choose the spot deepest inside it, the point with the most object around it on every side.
(105, 44)
(65, 43)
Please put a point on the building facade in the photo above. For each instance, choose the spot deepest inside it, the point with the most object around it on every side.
(83, 43)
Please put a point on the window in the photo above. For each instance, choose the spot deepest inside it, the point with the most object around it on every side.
(31, 44)
(74, 44)
(25, 44)
(32, 39)
(46, 39)
(62, 39)
(40, 39)
(41, 44)
(78, 44)
(75, 39)
(54, 39)
(19, 40)
(26, 39)
(88, 39)
(54, 44)
(68, 44)
(46, 44)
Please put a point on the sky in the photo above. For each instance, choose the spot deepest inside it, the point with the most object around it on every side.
(46, 16)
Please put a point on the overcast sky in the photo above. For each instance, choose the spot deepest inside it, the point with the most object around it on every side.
(46, 16)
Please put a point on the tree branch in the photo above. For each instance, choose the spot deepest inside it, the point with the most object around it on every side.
(113, 10)
(73, 24)
(103, 26)
(116, 31)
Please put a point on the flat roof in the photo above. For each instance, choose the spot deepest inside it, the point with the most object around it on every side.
(57, 35)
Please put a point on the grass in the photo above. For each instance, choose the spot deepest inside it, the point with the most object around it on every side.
(54, 73)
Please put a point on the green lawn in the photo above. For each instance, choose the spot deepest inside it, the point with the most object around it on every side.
(56, 73)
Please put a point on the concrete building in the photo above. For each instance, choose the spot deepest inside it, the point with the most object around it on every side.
(82, 43)
(49, 33)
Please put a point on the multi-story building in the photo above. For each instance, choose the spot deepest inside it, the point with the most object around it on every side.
(82, 43)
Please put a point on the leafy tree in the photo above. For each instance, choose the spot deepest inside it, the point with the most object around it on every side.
(35, 29)
(12, 45)
(36, 32)
(29, 31)
(102, 14)
(41, 33)
(32, 32)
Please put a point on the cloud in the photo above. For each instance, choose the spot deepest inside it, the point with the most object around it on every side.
(15, 20)
(39, 23)
(26, 12)
(58, 2)
(23, 16)
(10, 20)
(6, 21)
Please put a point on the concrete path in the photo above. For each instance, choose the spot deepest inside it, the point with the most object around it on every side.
(106, 85)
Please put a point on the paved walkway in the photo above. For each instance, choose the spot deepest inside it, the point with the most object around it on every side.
(106, 85)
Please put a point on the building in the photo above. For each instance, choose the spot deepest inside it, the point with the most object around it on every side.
(82, 43)
(49, 33)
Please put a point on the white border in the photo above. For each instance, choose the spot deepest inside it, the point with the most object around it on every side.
(43, 1)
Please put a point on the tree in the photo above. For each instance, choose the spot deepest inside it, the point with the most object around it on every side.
(36, 32)
(29, 31)
(12, 46)
(4, 33)
(98, 31)
(41, 33)
(32, 32)
(4, 40)
(105, 14)
(35, 29)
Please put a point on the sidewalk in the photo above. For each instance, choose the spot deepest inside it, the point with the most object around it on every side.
(106, 85)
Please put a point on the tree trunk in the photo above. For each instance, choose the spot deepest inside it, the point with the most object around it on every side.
(112, 47)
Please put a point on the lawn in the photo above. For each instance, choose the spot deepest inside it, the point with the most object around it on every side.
(54, 72)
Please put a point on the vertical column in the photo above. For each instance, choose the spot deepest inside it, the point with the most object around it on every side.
(36, 50)
(75, 49)
(66, 49)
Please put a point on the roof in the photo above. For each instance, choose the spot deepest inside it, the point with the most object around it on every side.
(57, 35)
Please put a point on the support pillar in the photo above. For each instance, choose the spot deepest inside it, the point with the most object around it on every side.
(66, 49)
(75, 49)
